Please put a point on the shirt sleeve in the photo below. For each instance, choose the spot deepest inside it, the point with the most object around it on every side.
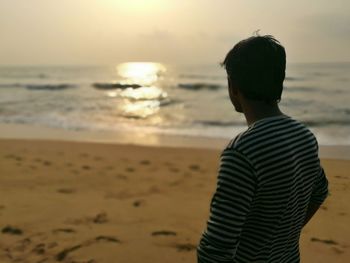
(229, 208)
(320, 189)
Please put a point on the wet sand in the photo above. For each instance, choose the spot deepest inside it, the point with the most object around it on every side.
(102, 202)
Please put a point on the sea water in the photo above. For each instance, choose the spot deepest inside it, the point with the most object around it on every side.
(172, 99)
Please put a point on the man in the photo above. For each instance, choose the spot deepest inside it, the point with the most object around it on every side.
(270, 180)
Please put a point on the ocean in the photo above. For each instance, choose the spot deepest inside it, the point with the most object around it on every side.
(167, 99)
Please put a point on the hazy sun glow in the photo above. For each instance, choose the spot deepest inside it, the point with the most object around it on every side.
(139, 5)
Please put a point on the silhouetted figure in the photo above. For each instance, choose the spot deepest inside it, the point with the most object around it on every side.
(270, 180)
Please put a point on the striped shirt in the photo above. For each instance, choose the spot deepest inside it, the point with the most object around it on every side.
(267, 177)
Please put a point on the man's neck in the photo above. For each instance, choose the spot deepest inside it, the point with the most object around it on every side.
(255, 110)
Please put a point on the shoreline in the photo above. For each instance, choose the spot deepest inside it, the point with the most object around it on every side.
(33, 132)
(17, 132)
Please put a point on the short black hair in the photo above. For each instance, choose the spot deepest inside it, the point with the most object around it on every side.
(257, 64)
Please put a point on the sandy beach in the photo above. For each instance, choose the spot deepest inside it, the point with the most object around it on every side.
(103, 202)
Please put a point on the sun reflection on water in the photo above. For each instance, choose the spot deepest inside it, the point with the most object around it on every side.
(141, 109)
(144, 93)
(145, 101)
(143, 73)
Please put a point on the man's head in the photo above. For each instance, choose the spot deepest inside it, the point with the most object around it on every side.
(256, 70)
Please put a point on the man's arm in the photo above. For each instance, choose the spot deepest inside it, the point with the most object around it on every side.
(318, 196)
(229, 208)
(311, 210)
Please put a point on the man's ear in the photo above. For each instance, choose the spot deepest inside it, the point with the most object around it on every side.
(234, 95)
(232, 86)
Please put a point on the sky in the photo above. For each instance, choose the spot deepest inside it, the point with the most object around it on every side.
(104, 32)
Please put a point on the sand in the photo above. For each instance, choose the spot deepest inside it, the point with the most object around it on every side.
(98, 202)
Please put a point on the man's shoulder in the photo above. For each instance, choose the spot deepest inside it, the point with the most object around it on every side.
(265, 131)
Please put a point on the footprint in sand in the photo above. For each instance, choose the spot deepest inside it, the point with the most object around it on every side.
(47, 163)
(18, 158)
(185, 247)
(109, 168)
(38, 160)
(163, 233)
(194, 167)
(168, 164)
(12, 230)
(174, 170)
(64, 253)
(107, 238)
(325, 241)
(337, 250)
(145, 162)
(175, 183)
(130, 169)
(84, 155)
(187, 174)
(99, 218)
(154, 189)
(64, 230)
(66, 190)
(8, 156)
(137, 203)
(121, 176)
(329, 242)
(341, 177)
(39, 249)
(22, 245)
(98, 158)
(75, 171)
(86, 167)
